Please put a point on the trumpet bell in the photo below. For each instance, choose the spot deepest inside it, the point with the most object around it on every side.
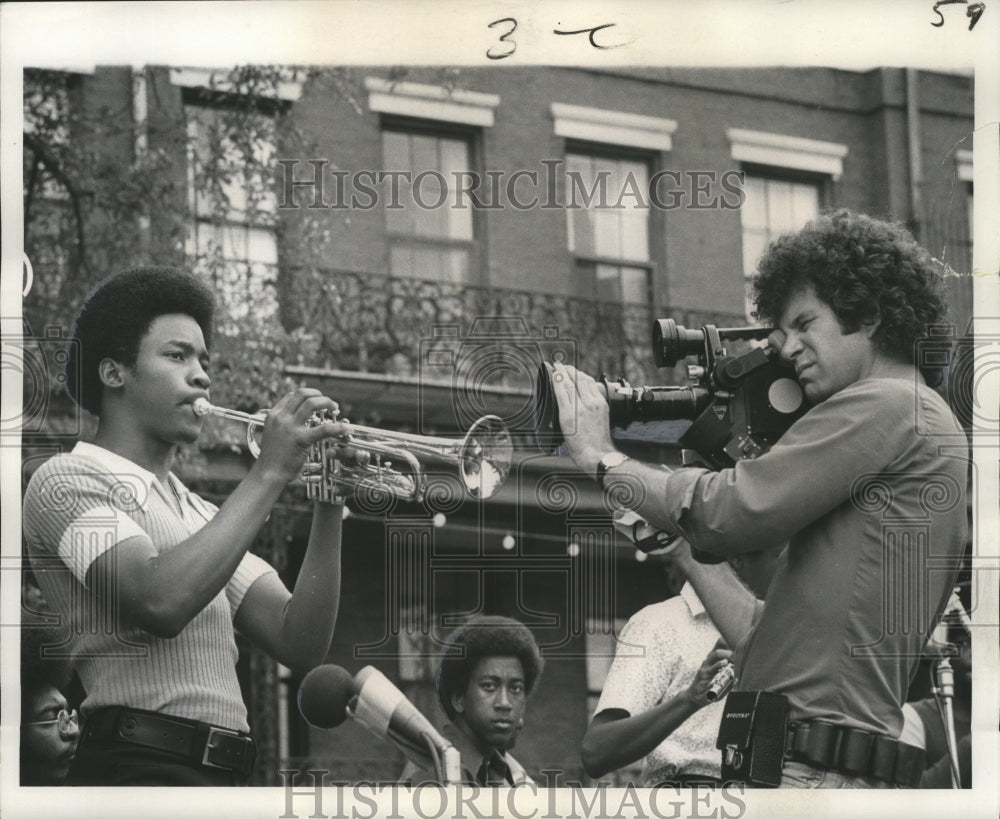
(485, 457)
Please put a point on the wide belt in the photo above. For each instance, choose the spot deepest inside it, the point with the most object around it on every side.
(199, 742)
(855, 752)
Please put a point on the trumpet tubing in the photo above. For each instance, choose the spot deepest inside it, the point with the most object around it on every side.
(395, 461)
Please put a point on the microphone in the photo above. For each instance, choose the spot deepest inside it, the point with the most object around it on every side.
(324, 695)
(954, 613)
(328, 695)
(955, 607)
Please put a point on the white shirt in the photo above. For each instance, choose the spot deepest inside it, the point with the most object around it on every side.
(659, 652)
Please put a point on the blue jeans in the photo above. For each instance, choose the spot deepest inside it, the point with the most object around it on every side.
(803, 775)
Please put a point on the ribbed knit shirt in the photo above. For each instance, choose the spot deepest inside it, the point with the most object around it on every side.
(77, 507)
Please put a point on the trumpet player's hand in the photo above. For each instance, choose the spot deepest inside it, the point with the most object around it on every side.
(713, 663)
(583, 415)
(288, 434)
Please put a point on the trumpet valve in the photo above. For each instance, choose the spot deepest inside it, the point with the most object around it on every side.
(325, 417)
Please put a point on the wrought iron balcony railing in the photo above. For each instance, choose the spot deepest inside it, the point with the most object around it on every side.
(381, 324)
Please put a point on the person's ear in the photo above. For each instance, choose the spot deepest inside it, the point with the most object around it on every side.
(870, 325)
(458, 702)
(110, 372)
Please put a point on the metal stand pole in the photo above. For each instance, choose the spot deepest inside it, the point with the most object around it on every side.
(945, 692)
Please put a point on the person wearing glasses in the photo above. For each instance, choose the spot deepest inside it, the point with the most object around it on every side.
(50, 729)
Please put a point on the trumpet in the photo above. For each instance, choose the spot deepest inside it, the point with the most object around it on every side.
(394, 461)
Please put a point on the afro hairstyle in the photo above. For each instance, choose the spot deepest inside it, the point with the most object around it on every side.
(116, 315)
(484, 636)
(37, 669)
(865, 269)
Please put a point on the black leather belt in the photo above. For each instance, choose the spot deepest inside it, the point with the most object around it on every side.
(854, 752)
(198, 742)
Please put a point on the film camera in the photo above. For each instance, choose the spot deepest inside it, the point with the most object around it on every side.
(739, 404)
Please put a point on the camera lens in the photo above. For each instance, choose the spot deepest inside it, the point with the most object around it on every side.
(671, 342)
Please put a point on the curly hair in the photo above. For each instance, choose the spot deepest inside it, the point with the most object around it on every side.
(485, 636)
(866, 269)
(116, 315)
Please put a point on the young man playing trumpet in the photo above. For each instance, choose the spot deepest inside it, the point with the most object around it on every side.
(152, 580)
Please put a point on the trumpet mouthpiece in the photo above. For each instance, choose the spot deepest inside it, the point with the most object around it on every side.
(201, 406)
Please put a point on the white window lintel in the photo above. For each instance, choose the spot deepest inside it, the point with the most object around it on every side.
(615, 127)
(413, 99)
(783, 151)
(216, 79)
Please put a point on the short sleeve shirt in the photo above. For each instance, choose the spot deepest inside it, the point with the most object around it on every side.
(79, 506)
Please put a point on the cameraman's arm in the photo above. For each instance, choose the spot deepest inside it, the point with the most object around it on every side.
(729, 603)
(763, 501)
(584, 409)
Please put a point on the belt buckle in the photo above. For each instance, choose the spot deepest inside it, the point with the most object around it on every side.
(211, 746)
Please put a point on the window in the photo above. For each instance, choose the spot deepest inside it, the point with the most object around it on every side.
(428, 131)
(785, 177)
(608, 226)
(429, 238)
(772, 207)
(606, 194)
(232, 207)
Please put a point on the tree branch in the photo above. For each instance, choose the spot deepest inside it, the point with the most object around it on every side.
(52, 165)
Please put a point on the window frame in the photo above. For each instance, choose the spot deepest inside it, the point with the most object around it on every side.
(220, 101)
(822, 182)
(654, 224)
(475, 247)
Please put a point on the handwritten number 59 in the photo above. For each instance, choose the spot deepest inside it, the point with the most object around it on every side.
(973, 11)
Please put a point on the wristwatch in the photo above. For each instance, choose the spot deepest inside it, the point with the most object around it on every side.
(609, 461)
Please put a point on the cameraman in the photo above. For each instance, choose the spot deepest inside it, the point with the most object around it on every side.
(862, 494)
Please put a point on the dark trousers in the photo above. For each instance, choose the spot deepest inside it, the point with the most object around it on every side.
(111, 763)
(103, 757)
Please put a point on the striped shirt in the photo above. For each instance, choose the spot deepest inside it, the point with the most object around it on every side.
(77, 507)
